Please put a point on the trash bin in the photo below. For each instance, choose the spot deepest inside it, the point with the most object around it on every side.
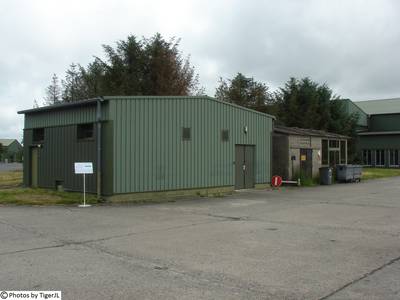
(325, 175)
(348, 173)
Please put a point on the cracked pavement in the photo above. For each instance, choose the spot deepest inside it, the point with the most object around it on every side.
(331, 242)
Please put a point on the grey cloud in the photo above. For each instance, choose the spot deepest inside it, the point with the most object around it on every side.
(352, 46)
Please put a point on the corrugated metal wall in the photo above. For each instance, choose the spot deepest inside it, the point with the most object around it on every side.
(149, 154)
(391, 141)
(389, 122)
(65, 116)
(56, 158)
(351, 107)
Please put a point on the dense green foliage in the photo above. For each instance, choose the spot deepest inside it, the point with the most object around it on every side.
(307, 104)
(245, 91)
(300, 103)
(151, 66)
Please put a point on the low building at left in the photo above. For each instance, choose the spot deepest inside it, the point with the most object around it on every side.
(10, 150)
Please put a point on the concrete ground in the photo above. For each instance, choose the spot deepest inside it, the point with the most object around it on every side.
(10, 167)
(335, 242)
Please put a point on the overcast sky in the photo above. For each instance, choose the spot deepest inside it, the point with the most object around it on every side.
(353, 46)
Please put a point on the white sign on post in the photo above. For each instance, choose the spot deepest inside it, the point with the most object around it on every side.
(84, 168)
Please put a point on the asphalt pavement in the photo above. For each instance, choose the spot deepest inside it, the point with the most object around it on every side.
(326, 242)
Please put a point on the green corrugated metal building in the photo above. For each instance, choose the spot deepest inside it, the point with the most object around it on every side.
(147, 144)
(379, 142)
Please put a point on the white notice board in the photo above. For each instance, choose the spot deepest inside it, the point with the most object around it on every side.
(83, 168)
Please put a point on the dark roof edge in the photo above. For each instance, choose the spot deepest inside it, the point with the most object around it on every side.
(311, 132)
(105, 98)
(366, 133)
(380, 99)
(62, 105)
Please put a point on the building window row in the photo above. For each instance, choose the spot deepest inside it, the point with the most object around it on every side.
(367, 157)
(394, 157)
(382, 157)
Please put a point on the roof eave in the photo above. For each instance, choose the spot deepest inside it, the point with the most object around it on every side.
(61, 106)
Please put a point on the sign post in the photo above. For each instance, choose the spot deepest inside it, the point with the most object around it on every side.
(84, 168)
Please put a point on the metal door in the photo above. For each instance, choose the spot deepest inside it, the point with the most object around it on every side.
(244, 166)
(306, 162)
(239, 167)
(249, 169)
(34, 167)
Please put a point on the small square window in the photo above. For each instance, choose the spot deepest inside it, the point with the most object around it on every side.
(85, 131)
(38, 135)
(225, 135)
(186, 134)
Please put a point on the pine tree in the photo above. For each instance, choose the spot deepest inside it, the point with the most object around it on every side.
(244, 91)
(35, 103)
(151, 66)
(74, 88)
(53, 92)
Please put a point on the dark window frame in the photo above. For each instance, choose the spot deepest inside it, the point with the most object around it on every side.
(85, 132)
(380, 158)
(367, 157)
(38, 135)
(186, 134)
(324, 152)
(343, 148)
(394, 160)
(334, 144)
(225, 135)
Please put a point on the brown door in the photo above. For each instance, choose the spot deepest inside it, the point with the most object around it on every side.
(34, 167)
(306, 163)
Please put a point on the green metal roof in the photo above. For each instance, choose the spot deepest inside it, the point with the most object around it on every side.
(106, 98)
(380, 106)
(7, 142)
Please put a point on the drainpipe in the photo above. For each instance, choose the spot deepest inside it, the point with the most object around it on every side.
(98, 123)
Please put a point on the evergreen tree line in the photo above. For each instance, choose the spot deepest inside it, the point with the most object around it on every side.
(135, 66)
(300, 103)
(155, 66)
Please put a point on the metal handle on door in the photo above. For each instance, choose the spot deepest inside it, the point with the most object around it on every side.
(244, 167)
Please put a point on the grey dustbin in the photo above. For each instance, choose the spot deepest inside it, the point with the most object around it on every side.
(348, 173)
(325, 175)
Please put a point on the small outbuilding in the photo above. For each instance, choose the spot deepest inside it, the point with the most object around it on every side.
(301, 152)
(148, 144)
(10, 150)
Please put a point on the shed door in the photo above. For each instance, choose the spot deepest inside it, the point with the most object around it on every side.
(306, 162)
(34, 167)
(244, 166)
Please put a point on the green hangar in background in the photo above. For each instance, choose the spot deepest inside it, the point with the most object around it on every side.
(145, 144)
(378, 133)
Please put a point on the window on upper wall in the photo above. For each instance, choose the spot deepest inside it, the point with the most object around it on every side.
(333, 144)
(38, 135)
(380, 157)
(85, 131)
(342, 152)
(367, 157)
(324, 151)
(225, 135)
(186, 134)
(394, 157)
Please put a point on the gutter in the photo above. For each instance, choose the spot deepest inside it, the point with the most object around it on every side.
(99, 162)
